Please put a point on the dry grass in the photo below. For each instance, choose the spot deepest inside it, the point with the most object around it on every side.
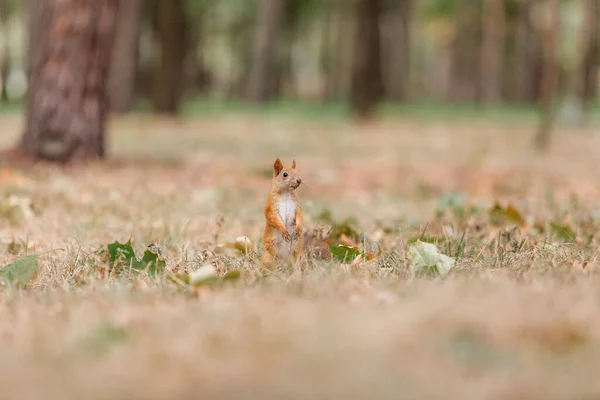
(518, 317)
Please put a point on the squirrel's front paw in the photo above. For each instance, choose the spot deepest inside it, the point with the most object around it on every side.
(297, 234)
(286, 236)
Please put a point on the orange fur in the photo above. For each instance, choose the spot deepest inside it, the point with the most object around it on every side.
(282, 236)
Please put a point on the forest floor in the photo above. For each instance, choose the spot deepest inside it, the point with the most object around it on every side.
(518, 315)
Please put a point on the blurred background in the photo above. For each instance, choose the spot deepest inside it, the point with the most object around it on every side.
(410, 121)
(351, 56)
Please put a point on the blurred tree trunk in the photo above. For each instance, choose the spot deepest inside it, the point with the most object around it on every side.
(171, 28)
(264, 58)
(67, 99)
(367, 80)
(198, 77)
(329, 53)
(466, 62)
(549, 32)
(466, 50)
(34, 21)
(5, 51)
(591, 53)
(241, 42)
(282, 83)
(529, 58)
(492, 51)
(338, 61)
(121, 85)
(396, 57)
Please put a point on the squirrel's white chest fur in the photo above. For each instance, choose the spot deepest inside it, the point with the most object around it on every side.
(287, 211)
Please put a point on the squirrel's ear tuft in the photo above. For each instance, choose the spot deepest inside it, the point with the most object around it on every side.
(277, 167)
(293, 164)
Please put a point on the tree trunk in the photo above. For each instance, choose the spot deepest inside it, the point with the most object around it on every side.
(5, 51)
(67, 99)
(198, 78)
(466, 68)
(121, 85)
(340, 42)
(591, 54)
(528, 58)
(550, 33)
(236, 85)
(172, 32)
(396, 58)
(367, 81)
(492, 51)
(34, 21)
(262, 70)
(331, 49)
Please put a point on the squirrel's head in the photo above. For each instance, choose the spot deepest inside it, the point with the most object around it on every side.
(285, 179)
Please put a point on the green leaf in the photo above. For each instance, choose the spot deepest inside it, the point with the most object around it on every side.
(122, 256)
(155, 264)
(563, 232)
(343, 253)
(20, 271)
(121, 252)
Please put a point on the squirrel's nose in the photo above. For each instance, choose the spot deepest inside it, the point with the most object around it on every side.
(299, 181)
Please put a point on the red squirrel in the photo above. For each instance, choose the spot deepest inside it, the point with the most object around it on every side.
(283, 238)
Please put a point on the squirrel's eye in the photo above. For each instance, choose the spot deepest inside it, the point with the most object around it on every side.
(285, 174)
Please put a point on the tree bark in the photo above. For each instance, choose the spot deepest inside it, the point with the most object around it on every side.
(172, 33)
(340, 43)
(5, 51)
(67, 99)
(198, 78)
(492, 51)
(121, 85)
(550, 33)
(591, 54)
(466, 60)
(236, 84)
(396, 58)
(34, 9)
(262, 70)
(367, 80)
(529, 58)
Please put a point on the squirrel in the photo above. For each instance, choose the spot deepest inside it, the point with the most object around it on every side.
(283, 236)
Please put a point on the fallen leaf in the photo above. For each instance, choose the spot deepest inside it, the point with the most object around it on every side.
(242, 244)
(426, 260)
(499, 215)
(20, 271)
(345, 254)
(122, 256)
(202, 274)
(563, 232)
